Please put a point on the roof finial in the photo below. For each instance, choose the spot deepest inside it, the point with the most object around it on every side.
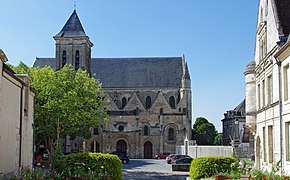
(75, 4)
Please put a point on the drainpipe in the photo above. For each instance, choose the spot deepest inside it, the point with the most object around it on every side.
(278, 62)
(20, 128)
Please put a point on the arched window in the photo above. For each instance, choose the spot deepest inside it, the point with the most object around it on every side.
(77, 60)
(95, 131)
(146, 131)
(95, 147)
(148, 102)
(170, 134)
(172, 102)
(124, 102)
(63, 58)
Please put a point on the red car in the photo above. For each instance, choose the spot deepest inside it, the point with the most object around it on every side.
(161, 155)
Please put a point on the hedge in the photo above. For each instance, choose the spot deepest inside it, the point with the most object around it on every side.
(204, 167)
(98, 164)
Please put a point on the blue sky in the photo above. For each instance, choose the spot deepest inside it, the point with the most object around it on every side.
(216, 37)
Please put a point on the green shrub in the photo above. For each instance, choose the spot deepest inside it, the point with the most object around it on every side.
(93, 166)
(209, 166)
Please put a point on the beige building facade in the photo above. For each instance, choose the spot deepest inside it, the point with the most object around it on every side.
(267, 81)
(149, 97)
(16, 116)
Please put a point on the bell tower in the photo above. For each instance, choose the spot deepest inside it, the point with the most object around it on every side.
(73, 46)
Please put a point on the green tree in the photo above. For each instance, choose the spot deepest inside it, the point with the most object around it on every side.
(21, 68)
(67, 103)
(203, 132)
(218, 139)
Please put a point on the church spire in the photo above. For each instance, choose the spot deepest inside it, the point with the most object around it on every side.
(73, 46)
(72, 27)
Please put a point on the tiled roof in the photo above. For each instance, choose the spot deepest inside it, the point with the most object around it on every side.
(132, 72)
(72, 28)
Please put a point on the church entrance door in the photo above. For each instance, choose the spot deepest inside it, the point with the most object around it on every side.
(121, 146)
(148, 150)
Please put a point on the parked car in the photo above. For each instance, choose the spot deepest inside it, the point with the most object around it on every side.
(123, 156)
(185, 160)
(168, 158)
(177, 156)
(161, 155)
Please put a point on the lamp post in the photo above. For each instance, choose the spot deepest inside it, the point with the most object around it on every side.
(186, 145)
(236, 138)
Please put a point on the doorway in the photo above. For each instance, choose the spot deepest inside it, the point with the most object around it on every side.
(121, 146)
(148, 150)
(95, 147)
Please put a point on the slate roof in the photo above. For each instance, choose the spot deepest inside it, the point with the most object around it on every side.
(72, 28)
(241, 106)
(132, 72)
(41, 62)
(283, 12)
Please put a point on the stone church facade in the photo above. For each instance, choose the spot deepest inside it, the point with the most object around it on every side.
(149, 98)
(267, 87)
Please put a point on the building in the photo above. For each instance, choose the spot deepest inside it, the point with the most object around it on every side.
(235, 132)
(16, 117)
(267, 82)
(150, 97)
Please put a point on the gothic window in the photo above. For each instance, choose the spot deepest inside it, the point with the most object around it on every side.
(146, 131)
(170, 134)
(77, 60)
(121, 128)
(124, 102)
(172, 102)
(148, 102)
(63, 58)
(96, 131)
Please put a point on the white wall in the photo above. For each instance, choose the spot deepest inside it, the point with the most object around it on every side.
(202, 151)
(9, 129)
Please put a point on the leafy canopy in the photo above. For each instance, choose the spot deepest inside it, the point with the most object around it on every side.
(203, 131)
(67, 100)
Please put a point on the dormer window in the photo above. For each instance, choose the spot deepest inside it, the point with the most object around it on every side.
(124, 102)
(77, 60)
(172, 102)
(148, 102)
(63, 58)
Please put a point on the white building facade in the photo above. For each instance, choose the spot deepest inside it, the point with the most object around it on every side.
(16, 117)
(267, 81)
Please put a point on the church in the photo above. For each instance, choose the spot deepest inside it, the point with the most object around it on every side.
(149, 97)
